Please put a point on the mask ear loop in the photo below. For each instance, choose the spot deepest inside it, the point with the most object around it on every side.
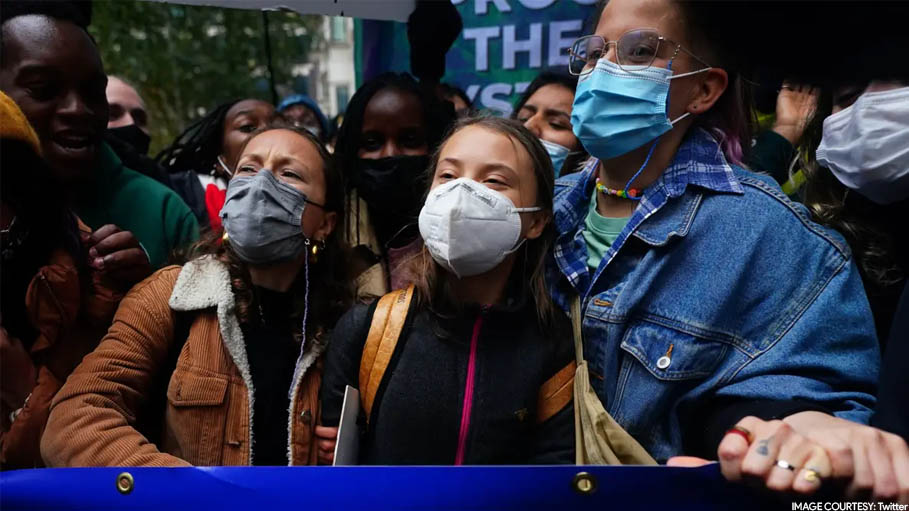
(653, 145)
(224, 166)
(290, 392)
(306, 292)
(532, 209)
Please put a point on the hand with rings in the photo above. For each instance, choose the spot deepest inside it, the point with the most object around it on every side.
(774, 454)
(872, 464)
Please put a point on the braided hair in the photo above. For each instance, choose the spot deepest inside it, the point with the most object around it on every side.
(198, 147)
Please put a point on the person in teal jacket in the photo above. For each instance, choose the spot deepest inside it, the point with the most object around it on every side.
(154, 213)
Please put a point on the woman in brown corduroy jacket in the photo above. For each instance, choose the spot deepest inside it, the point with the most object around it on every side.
(233, 339)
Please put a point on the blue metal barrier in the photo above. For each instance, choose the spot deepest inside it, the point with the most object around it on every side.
(377, 488)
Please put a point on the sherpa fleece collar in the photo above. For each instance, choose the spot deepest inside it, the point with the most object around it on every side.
(204, 283)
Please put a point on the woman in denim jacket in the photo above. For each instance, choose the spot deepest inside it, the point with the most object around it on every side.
(691, 323)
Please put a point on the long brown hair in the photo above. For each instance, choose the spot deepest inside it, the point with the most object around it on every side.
(330, 290)
(432, 286)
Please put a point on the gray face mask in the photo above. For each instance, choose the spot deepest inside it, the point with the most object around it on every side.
(262, 217)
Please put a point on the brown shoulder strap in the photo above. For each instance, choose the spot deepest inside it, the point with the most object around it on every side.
(387, 323)
(556, 392)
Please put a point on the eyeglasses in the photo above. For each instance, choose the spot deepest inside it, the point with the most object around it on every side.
(635, 50)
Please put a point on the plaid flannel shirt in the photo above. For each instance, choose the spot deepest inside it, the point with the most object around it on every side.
(699, 161)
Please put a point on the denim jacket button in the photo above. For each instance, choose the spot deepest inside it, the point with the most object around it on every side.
(664, 362)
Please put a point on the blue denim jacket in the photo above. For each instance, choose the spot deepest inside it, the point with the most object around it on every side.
(719, 286)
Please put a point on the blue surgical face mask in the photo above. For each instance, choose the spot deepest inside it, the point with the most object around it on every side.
(617, 111)
(557, 153)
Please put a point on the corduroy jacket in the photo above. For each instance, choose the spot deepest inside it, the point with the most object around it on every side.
(208, 414)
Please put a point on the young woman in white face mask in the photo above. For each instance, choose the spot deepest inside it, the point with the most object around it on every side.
(480, 367)
(857, 164)
(858, 183)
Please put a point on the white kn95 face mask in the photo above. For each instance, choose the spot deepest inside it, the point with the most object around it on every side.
(469, 228)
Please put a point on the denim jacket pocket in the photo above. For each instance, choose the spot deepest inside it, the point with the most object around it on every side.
(669, 354)
(661, 365)
(196, 415)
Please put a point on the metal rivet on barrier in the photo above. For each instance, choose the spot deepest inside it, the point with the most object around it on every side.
(125, 483)
(585, 483)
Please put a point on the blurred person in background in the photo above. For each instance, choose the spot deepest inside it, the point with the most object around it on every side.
(201, 160)
(545, 109)
(302, 111)
(128, 129)
(775, 151)
(128, 115)
(462, 105)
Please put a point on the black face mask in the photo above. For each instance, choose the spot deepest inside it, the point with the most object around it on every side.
(132, 135)
(393, 188)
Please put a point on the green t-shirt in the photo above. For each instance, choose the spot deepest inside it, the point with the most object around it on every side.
(600, 233)
(154, 213)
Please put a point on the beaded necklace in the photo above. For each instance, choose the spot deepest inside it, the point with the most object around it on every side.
(630, 193)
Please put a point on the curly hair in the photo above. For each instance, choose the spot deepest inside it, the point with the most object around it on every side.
(858, 219)
(198, 147)
(329, 283)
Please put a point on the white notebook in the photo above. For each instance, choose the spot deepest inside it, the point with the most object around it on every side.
(347, 448)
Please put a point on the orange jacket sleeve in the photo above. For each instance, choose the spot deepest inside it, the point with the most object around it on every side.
(93, 418)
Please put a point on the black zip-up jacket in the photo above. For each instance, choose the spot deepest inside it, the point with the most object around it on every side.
(417, 413)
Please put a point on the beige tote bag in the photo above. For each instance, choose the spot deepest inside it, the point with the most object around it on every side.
(599, 439)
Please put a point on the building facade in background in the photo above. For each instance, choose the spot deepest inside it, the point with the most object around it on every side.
(330, 72)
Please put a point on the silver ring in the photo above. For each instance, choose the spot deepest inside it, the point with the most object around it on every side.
(785, 464)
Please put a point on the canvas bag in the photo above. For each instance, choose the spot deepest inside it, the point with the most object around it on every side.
(599, 439)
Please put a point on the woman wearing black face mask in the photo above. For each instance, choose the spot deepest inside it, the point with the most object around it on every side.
(391, 125)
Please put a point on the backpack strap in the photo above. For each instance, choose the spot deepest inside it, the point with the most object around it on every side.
(384, 331)
(556, 392)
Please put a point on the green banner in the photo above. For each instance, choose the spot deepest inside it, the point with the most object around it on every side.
(504, 45)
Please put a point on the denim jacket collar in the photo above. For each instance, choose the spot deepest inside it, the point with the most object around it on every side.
(699, 162)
